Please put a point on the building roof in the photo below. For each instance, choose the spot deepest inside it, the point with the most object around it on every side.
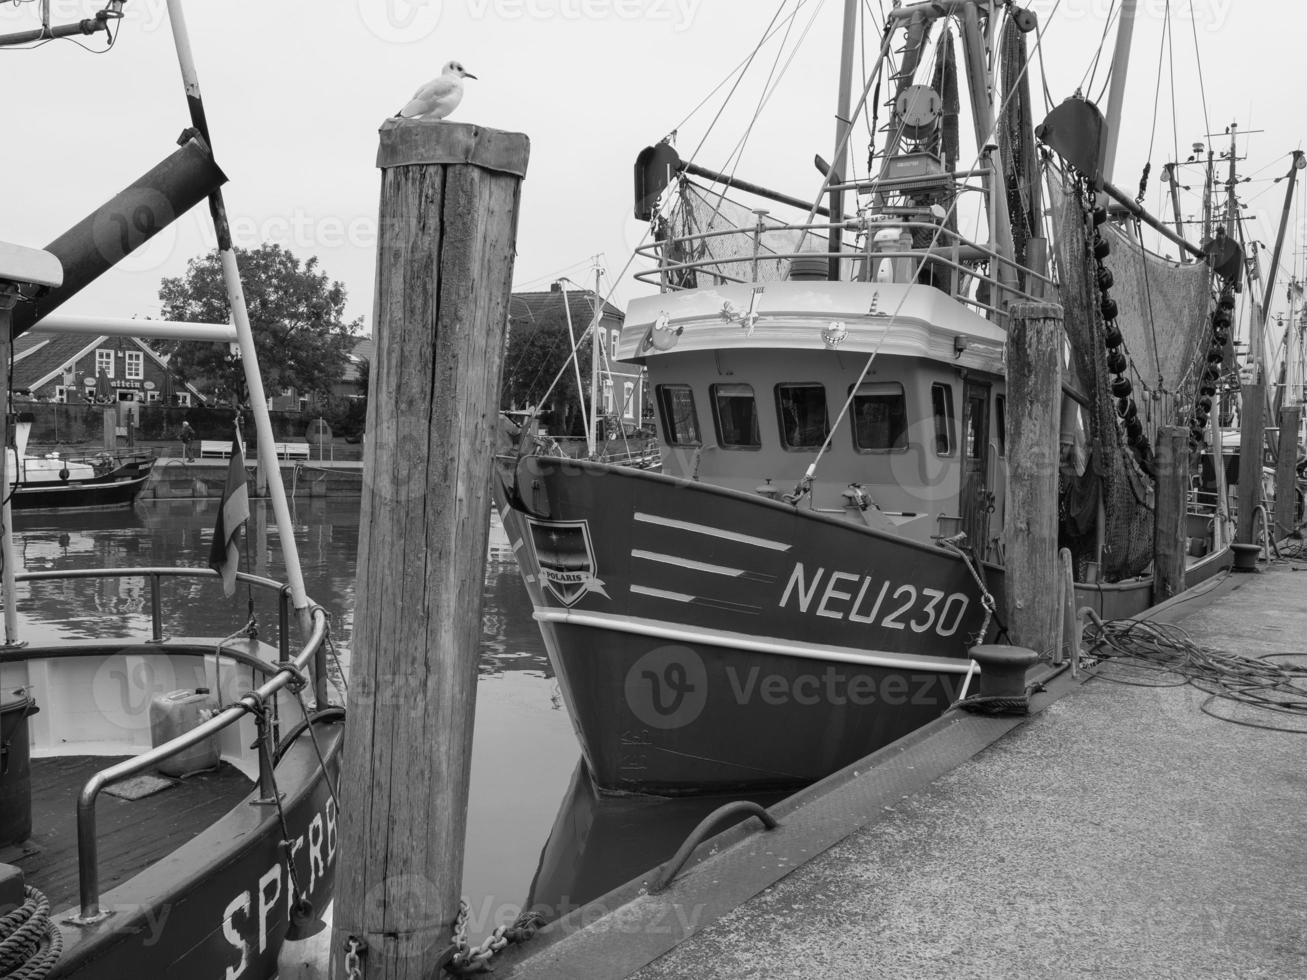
(548, 308)
(40, 358)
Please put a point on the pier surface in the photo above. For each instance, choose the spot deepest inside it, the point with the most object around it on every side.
(1122, 832)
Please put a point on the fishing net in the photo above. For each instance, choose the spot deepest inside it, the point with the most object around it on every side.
(738, 239)
(1162, 314)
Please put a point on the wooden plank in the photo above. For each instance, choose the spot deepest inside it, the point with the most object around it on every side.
(133, 834)
(444, 278)
(1170, 500)
(1034, 394)
(1286, 474)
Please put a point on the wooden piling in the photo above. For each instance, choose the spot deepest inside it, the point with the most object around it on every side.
(1252, 436)
(1170, 499)
(1286, 473)
(1034, 397)
(445, 248)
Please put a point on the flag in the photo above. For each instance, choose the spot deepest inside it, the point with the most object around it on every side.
(224, 553)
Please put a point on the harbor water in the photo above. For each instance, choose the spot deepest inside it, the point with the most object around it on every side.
(537, 834)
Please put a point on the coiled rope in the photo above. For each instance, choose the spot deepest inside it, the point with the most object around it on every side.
(1145, 654)
(30, 942)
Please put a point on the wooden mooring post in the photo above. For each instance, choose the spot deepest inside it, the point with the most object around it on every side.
(445, 248)
(1286, 473)
(1252, 437)
(1170, 499)
(1034, 399)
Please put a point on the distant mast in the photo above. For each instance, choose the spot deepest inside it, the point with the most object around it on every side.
(843, 131)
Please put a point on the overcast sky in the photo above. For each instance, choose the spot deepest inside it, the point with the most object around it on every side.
(295, 93)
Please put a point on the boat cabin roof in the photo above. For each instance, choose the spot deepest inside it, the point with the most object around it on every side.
(904, 319)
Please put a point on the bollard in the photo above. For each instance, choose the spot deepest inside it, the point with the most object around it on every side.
(447, 230)
(1034, 399)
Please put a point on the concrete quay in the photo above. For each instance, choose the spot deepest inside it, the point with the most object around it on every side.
(174, 477)
(1119, 832)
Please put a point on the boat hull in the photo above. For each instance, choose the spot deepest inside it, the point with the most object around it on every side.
(118, 488)
(709, 641)
(219, 905)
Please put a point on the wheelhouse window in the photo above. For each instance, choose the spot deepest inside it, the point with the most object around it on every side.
(977, 406)
(735, 413)
(1000, 423)
(880, 418)
(801, 409)
(680, 424)
(941, 400)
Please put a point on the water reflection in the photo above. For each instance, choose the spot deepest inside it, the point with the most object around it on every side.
(537, 831)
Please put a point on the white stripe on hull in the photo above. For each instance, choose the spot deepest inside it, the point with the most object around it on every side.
(712, 532)
(697, 566)
(661, 594)
(755, 644)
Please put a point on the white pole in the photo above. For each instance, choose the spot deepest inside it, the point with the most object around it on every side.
(244, 336)
(595, 340)
(576, 366)
(1116, 93)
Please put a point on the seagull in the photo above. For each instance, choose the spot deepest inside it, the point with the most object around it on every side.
(438, 97)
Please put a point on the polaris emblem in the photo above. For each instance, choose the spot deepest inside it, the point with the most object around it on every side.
(566, 559)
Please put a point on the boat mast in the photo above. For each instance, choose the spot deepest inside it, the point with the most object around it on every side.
(244, 336)
(1298, 163)
(1116, 93)
(843, 125)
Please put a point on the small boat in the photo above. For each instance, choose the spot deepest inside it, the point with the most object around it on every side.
(93, 482)
(167, 803)
(802, 582)
(171, 799)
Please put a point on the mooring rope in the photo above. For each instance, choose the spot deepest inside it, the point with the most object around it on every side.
(1165, 651)
(30, 941)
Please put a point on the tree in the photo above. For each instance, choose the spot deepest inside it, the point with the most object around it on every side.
(534, 356)
(296, 315)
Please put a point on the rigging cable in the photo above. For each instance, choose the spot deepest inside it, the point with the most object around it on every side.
(1087, 79)
(1202, 87)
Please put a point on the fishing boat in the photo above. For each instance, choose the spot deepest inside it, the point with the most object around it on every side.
(801, 582)
(167, 802)
(92, 482)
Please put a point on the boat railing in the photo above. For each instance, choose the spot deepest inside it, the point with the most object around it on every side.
(290, 670)
(975, 275)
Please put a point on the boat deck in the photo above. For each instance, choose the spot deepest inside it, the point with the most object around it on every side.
(1122, 831)
(132, 833)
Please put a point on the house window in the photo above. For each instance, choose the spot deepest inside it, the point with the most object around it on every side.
(184, 398)
(612, 349)
(104, 362)
(676, 405)
(628, 400)
(736, 415)
(1000, 423)
(61, 394)
(801, 409)
(151, 396)
(880, 418)
(608, 396)
(134, 368)
(941, 400)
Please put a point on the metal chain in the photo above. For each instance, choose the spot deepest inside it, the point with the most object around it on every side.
(354, 959)
(468, 959)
